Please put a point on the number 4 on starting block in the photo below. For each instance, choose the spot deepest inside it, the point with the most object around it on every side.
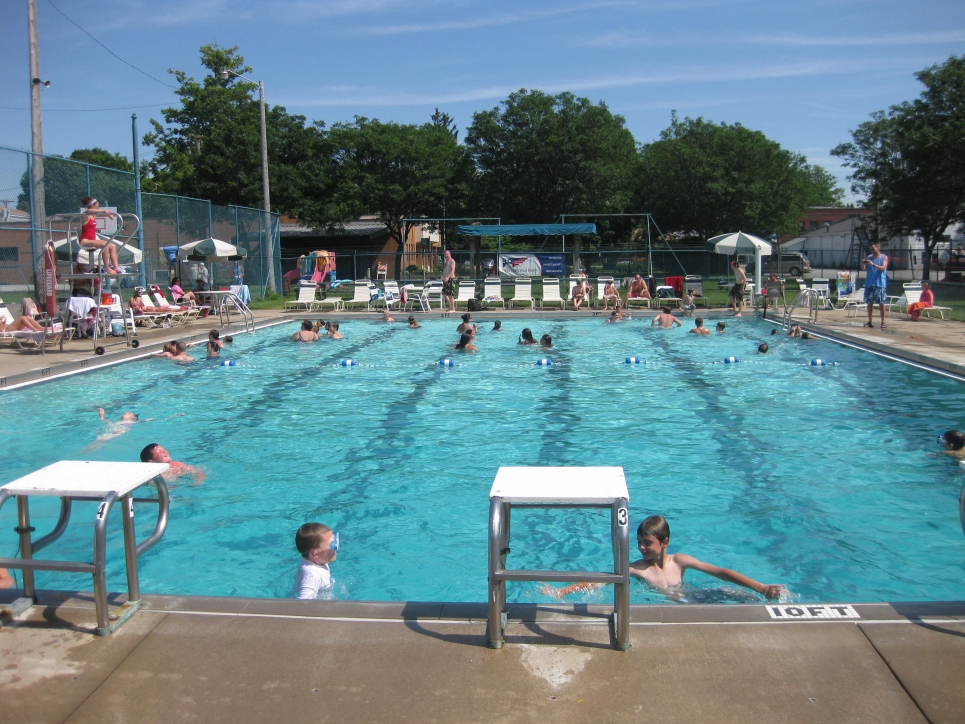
(822, 611)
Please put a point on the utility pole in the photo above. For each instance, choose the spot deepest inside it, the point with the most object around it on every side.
(142, 280)
(37, 198)
(264, 188)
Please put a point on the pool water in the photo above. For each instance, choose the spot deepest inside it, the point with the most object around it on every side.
(826, 479)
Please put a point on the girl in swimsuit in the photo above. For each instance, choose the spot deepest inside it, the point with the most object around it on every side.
(88, 234)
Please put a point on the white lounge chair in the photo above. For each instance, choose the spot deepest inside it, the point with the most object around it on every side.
(601, 287)
(305, 299)
(551, 293)
(415, 295)
(822, 288)
(523, 292)
(53, 332)
(163, 302)
(432, 291)
(667, 295)
(362, 294)
(493, 292)
(910, 296)
(467, 291)
(174, 314)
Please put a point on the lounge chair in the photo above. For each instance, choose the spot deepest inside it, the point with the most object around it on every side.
(163, 302)
(53, 332)
(600, 286)
(822, 288)
(362, 294)
(493, 292)
(467, 291)
(910, 296)
(432, 291)
(391, 295)
(666, 295)
(305, 299)
(176, 315)
(551, 293)
(523, 292)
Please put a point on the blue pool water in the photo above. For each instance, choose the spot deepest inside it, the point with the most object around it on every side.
(825, 479)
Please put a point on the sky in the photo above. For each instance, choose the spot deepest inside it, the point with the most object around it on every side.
(803, 73)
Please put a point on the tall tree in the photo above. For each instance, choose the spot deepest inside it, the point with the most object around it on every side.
(210, 147)
(392, 170)
(100, 157)
(909, 162)
(538, 156)
(707, 178)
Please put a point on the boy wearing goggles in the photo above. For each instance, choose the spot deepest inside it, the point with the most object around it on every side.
(318, 545)
(953, 444)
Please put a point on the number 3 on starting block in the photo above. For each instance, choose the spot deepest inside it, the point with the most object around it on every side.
(622, 516)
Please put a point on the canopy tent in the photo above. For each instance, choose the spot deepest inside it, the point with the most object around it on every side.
(68, 250)
(211, 250)
(526, 229)
(737, 242)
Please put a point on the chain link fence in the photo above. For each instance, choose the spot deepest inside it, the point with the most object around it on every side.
(34, 188)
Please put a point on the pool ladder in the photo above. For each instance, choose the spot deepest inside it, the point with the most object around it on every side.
(805, 299)
(224, 311)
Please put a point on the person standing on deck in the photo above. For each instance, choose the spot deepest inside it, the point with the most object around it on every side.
(736, 297)
(449, 281)
(876, 285)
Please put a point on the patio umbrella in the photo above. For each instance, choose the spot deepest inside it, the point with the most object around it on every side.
(737, 242)
(211, 250)
(69, 250)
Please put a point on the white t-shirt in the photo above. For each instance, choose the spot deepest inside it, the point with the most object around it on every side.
(312, 580)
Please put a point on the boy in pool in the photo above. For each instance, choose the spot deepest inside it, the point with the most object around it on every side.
(699, 327)
(721, 327)
(953, 444)
(412, 323)
(666, 571)
(318, 545)
(154, 453)
(115, 429)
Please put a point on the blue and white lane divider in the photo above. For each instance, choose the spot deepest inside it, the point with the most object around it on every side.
(544, 362)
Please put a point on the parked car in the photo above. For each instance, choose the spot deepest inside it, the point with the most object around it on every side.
(793, 263)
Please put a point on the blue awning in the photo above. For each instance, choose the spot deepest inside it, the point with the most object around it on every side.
(526, 229)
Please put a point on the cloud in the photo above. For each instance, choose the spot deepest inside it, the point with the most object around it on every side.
(483, 22)
(794, 39)
(376, 97)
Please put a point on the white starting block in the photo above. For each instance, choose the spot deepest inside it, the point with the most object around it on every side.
(549, 487)
(102, 482)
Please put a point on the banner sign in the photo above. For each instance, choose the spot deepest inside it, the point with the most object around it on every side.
(532, 265)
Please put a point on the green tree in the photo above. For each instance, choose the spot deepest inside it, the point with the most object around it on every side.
(537, 156)
(909, 162)
(707, 179)
(100, 157)
(392, 170)
(210, 147)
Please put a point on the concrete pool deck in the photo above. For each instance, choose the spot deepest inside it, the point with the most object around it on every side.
(257, 660)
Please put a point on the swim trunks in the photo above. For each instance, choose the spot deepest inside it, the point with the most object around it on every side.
(449, 287)
(875, 295)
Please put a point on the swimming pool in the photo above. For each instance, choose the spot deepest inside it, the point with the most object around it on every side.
(822, 478)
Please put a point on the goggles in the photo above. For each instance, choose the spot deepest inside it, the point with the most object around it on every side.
(941, 440)
(334, 546)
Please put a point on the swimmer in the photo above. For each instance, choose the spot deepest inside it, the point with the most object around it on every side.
(699, 327)
(526, 337)
(154, 453)
(794, 331)
(114, 429)
(229, 339)
(181, 353)
(412, 323)
(306, 334)
(762, 348)
(467, 324)
(774, 331)
(808, 336)
(387, 315)
(6, 580)
(318, 545)
(465, 343)
(319, 326)
(615, 316)
(953, 444)
(665, 572)
(721, 327)
(497, 326)
(215, 337)
(167, 351)
(546, 342)
(333, 332)
(665, 320)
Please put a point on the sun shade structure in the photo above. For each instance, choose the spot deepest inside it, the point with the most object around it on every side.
(734, 243)
(212, 250)
(68, 250)
(526, 229)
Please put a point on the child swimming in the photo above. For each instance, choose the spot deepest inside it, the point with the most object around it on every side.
(115, 429)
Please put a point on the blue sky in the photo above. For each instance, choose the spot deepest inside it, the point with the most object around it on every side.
(803, 73)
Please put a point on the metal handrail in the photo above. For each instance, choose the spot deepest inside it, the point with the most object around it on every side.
(805, 298)
(224, 311)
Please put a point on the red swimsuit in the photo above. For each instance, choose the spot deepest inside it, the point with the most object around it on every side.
(89, 230)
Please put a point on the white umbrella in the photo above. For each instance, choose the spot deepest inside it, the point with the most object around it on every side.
(735, 242)
(211, 249)
(68, 250)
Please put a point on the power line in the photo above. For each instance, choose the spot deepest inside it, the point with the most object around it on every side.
(83, 110)
(109, 50)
